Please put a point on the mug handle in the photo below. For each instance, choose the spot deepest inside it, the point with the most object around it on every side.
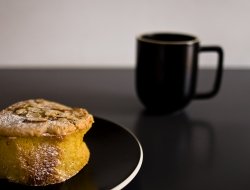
(218, 76)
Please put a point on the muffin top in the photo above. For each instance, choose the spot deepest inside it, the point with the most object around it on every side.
(39, 117)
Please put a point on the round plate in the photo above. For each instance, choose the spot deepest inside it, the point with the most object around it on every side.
(115, 159)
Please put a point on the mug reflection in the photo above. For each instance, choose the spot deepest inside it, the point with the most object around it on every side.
(176, 148)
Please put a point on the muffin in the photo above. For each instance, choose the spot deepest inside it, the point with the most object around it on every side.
(41, 142)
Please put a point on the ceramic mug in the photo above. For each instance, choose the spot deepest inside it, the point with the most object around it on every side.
(166, 70)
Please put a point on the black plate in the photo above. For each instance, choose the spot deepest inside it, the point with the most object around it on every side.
(116, 157)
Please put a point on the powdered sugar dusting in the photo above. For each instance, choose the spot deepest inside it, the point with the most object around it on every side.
(7, 119)
(40, 164)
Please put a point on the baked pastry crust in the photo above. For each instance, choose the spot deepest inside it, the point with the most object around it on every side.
(39, 117)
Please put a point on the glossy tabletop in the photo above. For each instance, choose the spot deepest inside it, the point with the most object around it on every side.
(205, 146)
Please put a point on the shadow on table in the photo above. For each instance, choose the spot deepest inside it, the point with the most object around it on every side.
(177, 150)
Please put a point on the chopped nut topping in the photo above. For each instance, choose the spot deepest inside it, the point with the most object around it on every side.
(39, 110)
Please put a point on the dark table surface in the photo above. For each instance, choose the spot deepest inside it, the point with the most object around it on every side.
(205, 146)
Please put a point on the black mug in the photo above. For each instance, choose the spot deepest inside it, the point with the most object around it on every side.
(166, 70)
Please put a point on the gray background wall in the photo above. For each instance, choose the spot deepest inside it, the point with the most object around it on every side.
(101, 33)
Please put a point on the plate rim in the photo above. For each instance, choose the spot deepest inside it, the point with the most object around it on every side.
(130, 177)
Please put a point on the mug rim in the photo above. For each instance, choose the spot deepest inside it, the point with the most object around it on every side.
(193, 39)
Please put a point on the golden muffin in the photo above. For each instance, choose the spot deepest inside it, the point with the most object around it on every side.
(41, 142)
